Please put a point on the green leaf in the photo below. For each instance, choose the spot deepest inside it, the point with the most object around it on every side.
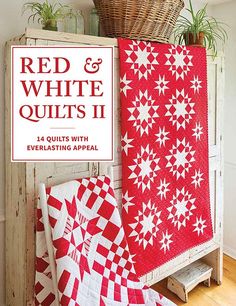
(44, 11)
(213, 29)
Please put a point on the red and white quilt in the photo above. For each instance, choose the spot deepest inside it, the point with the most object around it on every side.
(166, 204)
(90, 264)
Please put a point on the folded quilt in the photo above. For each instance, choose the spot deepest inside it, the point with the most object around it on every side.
(82, 253)
(165, 170)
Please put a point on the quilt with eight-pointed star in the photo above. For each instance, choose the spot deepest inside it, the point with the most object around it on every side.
(165, 167)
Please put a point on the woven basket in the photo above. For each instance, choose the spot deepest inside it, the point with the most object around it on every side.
(151, 20)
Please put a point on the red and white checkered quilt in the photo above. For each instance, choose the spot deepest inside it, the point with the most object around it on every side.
(166, 204)
(93, 266)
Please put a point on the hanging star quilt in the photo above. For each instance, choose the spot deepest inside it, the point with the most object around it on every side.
(82, 253)
(165, 170)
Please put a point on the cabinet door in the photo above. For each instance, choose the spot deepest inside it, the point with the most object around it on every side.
(216, 196)
(215, 102)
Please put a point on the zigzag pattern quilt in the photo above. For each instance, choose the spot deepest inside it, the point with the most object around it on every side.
(166, 204)
(93, 263)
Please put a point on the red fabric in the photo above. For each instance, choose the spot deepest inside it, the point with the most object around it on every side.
(166, 205)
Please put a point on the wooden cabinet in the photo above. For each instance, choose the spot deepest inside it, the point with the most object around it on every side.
(22, 179)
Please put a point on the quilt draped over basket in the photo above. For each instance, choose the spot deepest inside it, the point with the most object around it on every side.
(82, 253)
(165, 165)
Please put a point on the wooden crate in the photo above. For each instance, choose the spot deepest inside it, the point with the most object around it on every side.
(22, 179)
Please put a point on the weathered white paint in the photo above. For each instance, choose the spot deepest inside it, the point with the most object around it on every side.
(23, 179)
(186, 279)
(12, 23)
(11, 11)
(226, 12)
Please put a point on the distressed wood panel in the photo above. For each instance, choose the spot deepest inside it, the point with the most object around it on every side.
(212, 101)
(16, 207)
(57, 173)
(23, 178)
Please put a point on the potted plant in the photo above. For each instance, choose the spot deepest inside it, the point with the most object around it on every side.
(46, 13)
(200, 29)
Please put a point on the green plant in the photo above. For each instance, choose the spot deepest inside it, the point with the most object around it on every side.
(200, 22)
(46, 13)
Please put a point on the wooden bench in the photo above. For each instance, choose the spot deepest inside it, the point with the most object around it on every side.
(183, 281)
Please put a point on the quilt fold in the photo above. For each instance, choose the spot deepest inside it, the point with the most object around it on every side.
(82, 253)
(165, 162)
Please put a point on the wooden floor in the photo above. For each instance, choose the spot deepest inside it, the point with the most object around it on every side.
(224, 295)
